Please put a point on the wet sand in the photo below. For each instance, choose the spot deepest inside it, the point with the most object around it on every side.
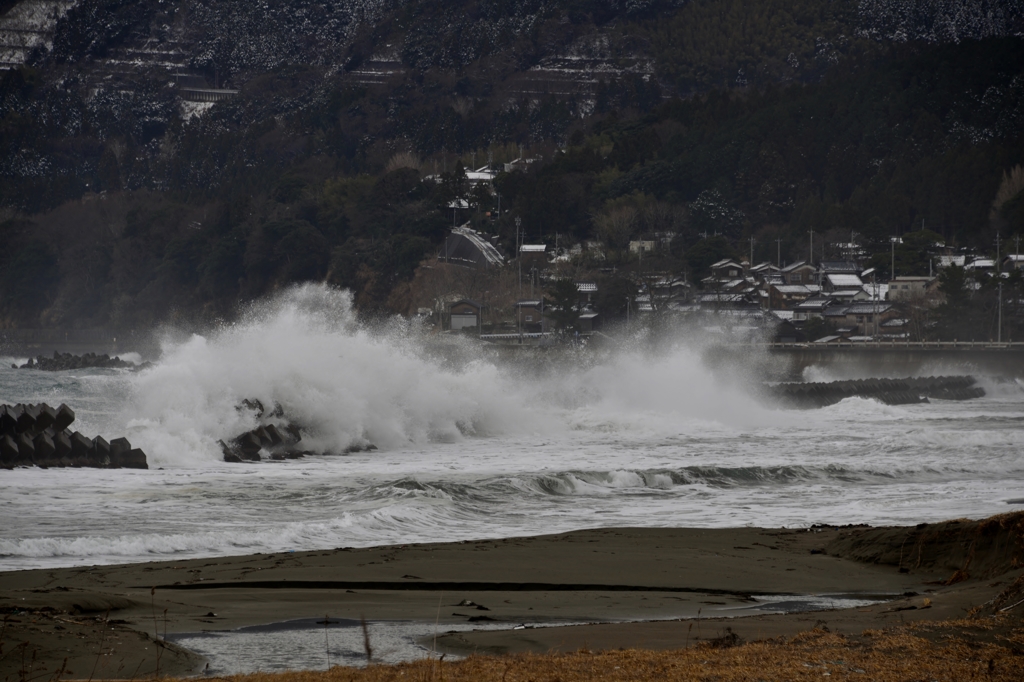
(103, 619)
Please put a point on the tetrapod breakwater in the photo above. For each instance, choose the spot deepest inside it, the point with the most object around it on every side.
(38, 435)
(889, 391)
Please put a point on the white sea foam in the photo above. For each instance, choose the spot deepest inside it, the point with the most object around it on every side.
(347, 384)
(343, 383)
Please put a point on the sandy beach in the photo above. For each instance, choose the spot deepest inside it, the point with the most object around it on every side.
(641, 588)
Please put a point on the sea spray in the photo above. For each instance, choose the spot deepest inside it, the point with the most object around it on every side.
(350, 384)
(345, 384)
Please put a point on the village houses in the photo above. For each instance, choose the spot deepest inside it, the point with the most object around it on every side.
(829, 300)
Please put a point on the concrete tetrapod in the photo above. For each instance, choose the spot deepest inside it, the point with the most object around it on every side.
(38, 435)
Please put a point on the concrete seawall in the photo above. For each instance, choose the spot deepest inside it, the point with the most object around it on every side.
(790, 362)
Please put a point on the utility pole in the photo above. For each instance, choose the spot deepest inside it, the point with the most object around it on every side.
(874, 306)
(892, 269)
(752, 240)
(778, 243)
(999, 274)
(811, 252)
(518, 222)
(640, 264)
(519, 264)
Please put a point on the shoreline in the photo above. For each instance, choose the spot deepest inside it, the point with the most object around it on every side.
(642, 588)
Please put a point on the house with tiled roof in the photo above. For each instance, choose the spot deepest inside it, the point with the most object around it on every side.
(800, 272)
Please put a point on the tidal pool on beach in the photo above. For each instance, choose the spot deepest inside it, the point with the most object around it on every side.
(312, 644)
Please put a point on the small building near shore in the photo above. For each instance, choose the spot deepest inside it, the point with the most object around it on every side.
(908, 288)
(811, 308)
(530, 316)
(642, 246)
(1014, 261)
(863, 316)
(534, 256)
(800, 272)
(841, 281)
(465, 314)
(726, 270)
(589, 321)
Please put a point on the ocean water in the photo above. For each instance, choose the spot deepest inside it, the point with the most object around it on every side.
(472, 446)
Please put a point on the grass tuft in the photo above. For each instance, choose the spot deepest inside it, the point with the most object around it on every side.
(892, 655)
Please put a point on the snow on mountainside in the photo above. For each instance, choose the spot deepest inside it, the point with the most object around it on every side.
(940, 21)
(137, 82)
(28, 26)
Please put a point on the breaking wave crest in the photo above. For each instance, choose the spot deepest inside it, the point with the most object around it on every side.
(343, 382)
(347, 383)
(410, 509)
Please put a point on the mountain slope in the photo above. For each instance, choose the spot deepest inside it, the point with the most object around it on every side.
(127, 199)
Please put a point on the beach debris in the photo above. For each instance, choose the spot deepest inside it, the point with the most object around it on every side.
(64, 361)
(889, 391)
(275, 438)
(38, 435)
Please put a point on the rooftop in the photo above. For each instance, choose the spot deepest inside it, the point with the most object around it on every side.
(792, 289)
(839, 266)
(867, 308)
(814, 304)
(838, 280)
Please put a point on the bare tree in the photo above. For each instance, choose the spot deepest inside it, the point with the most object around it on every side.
(616, 226)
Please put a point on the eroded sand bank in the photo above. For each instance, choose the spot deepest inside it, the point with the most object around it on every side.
(103, 619)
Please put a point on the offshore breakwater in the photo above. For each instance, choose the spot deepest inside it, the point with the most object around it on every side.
(888, 391)
(810, 362)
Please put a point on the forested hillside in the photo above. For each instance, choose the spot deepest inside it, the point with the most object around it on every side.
(721, 121)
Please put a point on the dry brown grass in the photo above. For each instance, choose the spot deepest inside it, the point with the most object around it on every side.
(883, 656)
